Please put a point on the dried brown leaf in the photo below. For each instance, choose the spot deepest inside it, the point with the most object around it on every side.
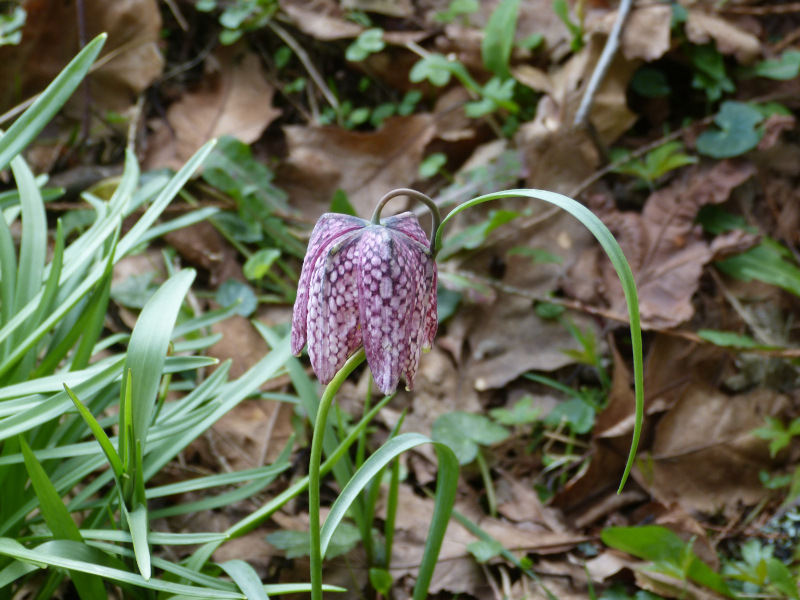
(323, 19)
(506, 337)
(702, 28)
(646, 34)
(50, 40)
(556, 153)
(365, 165)
(703, 456)
(664, 247)
(233, 99)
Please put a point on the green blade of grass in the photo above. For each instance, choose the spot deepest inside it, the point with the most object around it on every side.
(446, 487)
(246, 578)
(59, 520)
(623, 269)
(154, 537)
(138, 527)
(61, 554)
(208, 581)
(147, 350)
(33, 120)
(199, 558)
(33, 246)
(134, 237)
(8, 278)
(16, 570)
(99, 434)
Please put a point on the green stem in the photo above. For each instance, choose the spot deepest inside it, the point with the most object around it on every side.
(314, 470)
(491, 498)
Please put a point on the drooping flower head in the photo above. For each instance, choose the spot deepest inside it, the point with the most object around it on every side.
(366, 283)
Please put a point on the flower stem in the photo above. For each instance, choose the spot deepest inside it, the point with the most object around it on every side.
(314, 469)
(437, 217)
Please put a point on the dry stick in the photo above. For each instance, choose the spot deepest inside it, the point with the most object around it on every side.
(790, 39)
(303, 56)
(176, 12)
(603, 64)
(764, 336)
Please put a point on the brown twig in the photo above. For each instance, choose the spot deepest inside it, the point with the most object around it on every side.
(774, 9)
(619, 318)
(309, 66)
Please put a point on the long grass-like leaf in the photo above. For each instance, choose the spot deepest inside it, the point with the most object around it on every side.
(623, 269)
(134, 237)
(59, 520)
(33, 120)
(446, 487)
(60, 555)
(147, 350)
(8, 279)
(99, 434)
(33, 247)
(246, 578)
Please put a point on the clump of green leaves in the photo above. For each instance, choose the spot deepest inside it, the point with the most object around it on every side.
(759, 572)
(778, 434)
(710, 73)
(240, 16)
(458, 9)
(575, 28)
(667, 552)
(368, 42)
(657, 163)
(11, 26)
(465, 434)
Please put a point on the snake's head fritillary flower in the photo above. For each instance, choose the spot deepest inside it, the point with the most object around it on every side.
(366, 283)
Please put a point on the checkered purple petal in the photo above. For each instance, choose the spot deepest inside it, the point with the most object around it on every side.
(333, 323)
(330, 228)
(408, 224)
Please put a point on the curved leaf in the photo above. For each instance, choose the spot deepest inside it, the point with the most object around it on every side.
(615, 254)
(446, 487)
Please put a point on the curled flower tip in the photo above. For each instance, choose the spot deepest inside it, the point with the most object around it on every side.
(367, 283)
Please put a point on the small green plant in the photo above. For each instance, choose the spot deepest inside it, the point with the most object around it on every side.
(759, 572)
(656, 164)
(777, 433)
(432, 165)
(710, 74)
(784, 68)
(465, 433)
(770, 262)
(240, 16)
(737, 131)
(667, 552)
(368, 42)
(11, 26)
(458, 10)
(561, 8)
